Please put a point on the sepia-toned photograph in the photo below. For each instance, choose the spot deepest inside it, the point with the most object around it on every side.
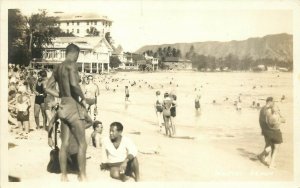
(147, 91)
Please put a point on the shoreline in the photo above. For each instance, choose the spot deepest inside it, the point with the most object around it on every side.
(224, 147)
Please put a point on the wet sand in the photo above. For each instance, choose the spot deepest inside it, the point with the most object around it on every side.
(225, 142)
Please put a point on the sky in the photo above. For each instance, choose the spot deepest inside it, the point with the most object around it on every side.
(143, 22)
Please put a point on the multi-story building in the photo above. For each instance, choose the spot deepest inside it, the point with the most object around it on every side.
(93, 57)
(83, 24)
(153, 61)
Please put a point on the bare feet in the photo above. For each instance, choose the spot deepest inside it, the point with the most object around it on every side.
(125, 178)
(64, 178)
(262, 159)
(272, 166)
(137, 178)
(82, 178)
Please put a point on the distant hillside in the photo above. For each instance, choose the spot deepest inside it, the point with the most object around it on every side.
(278, 46)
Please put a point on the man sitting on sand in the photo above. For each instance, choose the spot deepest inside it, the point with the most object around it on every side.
(119, 155)
(96, 135)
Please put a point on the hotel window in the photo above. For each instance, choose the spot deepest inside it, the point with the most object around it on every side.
(87, 23)
(95, 22)
(77, 30)
(72, 22)
(87, 30)
(67, 23)
(67, 30)
(77, 23)
(72, 30)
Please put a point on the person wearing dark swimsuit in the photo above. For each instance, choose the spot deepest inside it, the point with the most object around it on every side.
(39, 104)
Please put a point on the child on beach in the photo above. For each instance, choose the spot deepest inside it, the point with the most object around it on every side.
(22, 108)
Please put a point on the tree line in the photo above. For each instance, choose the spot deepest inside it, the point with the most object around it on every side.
(28, 35)
(163, 53)
(232, 62)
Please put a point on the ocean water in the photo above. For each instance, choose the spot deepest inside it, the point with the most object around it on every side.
(221, 116)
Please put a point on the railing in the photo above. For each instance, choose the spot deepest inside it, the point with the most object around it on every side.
(84, 57)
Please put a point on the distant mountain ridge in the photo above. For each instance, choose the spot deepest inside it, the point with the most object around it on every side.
(277, 46)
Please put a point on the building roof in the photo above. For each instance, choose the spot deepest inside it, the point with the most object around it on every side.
(81, 42)
(80, 16)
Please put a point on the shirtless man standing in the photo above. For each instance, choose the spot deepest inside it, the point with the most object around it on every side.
(91, 93)
(71, 110)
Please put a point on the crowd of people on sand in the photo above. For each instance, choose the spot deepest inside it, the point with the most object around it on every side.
(65, 97)
(68, 99)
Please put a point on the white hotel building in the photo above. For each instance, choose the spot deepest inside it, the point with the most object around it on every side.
(80, 24)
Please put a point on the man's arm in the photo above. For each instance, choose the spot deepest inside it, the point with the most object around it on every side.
(50, 129)
(132, 152)
(74, 84)
(50, 87)
(98, 91)
(88, 119)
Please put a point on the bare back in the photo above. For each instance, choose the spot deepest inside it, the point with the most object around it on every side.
(67, 78)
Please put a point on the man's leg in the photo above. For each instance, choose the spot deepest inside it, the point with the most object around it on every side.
(26, 125)
(115, 172)
(273, 156)
(78, 131)
(43, 110)
(158, 114)
(166, 120)
(93, 111)
(168, 126)
(65, 134)
(265, 152)
(20, 127)
(173, 125)
(134, 167)
(37, 109)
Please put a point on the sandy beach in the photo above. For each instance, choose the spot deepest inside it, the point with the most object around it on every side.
(225, 141)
